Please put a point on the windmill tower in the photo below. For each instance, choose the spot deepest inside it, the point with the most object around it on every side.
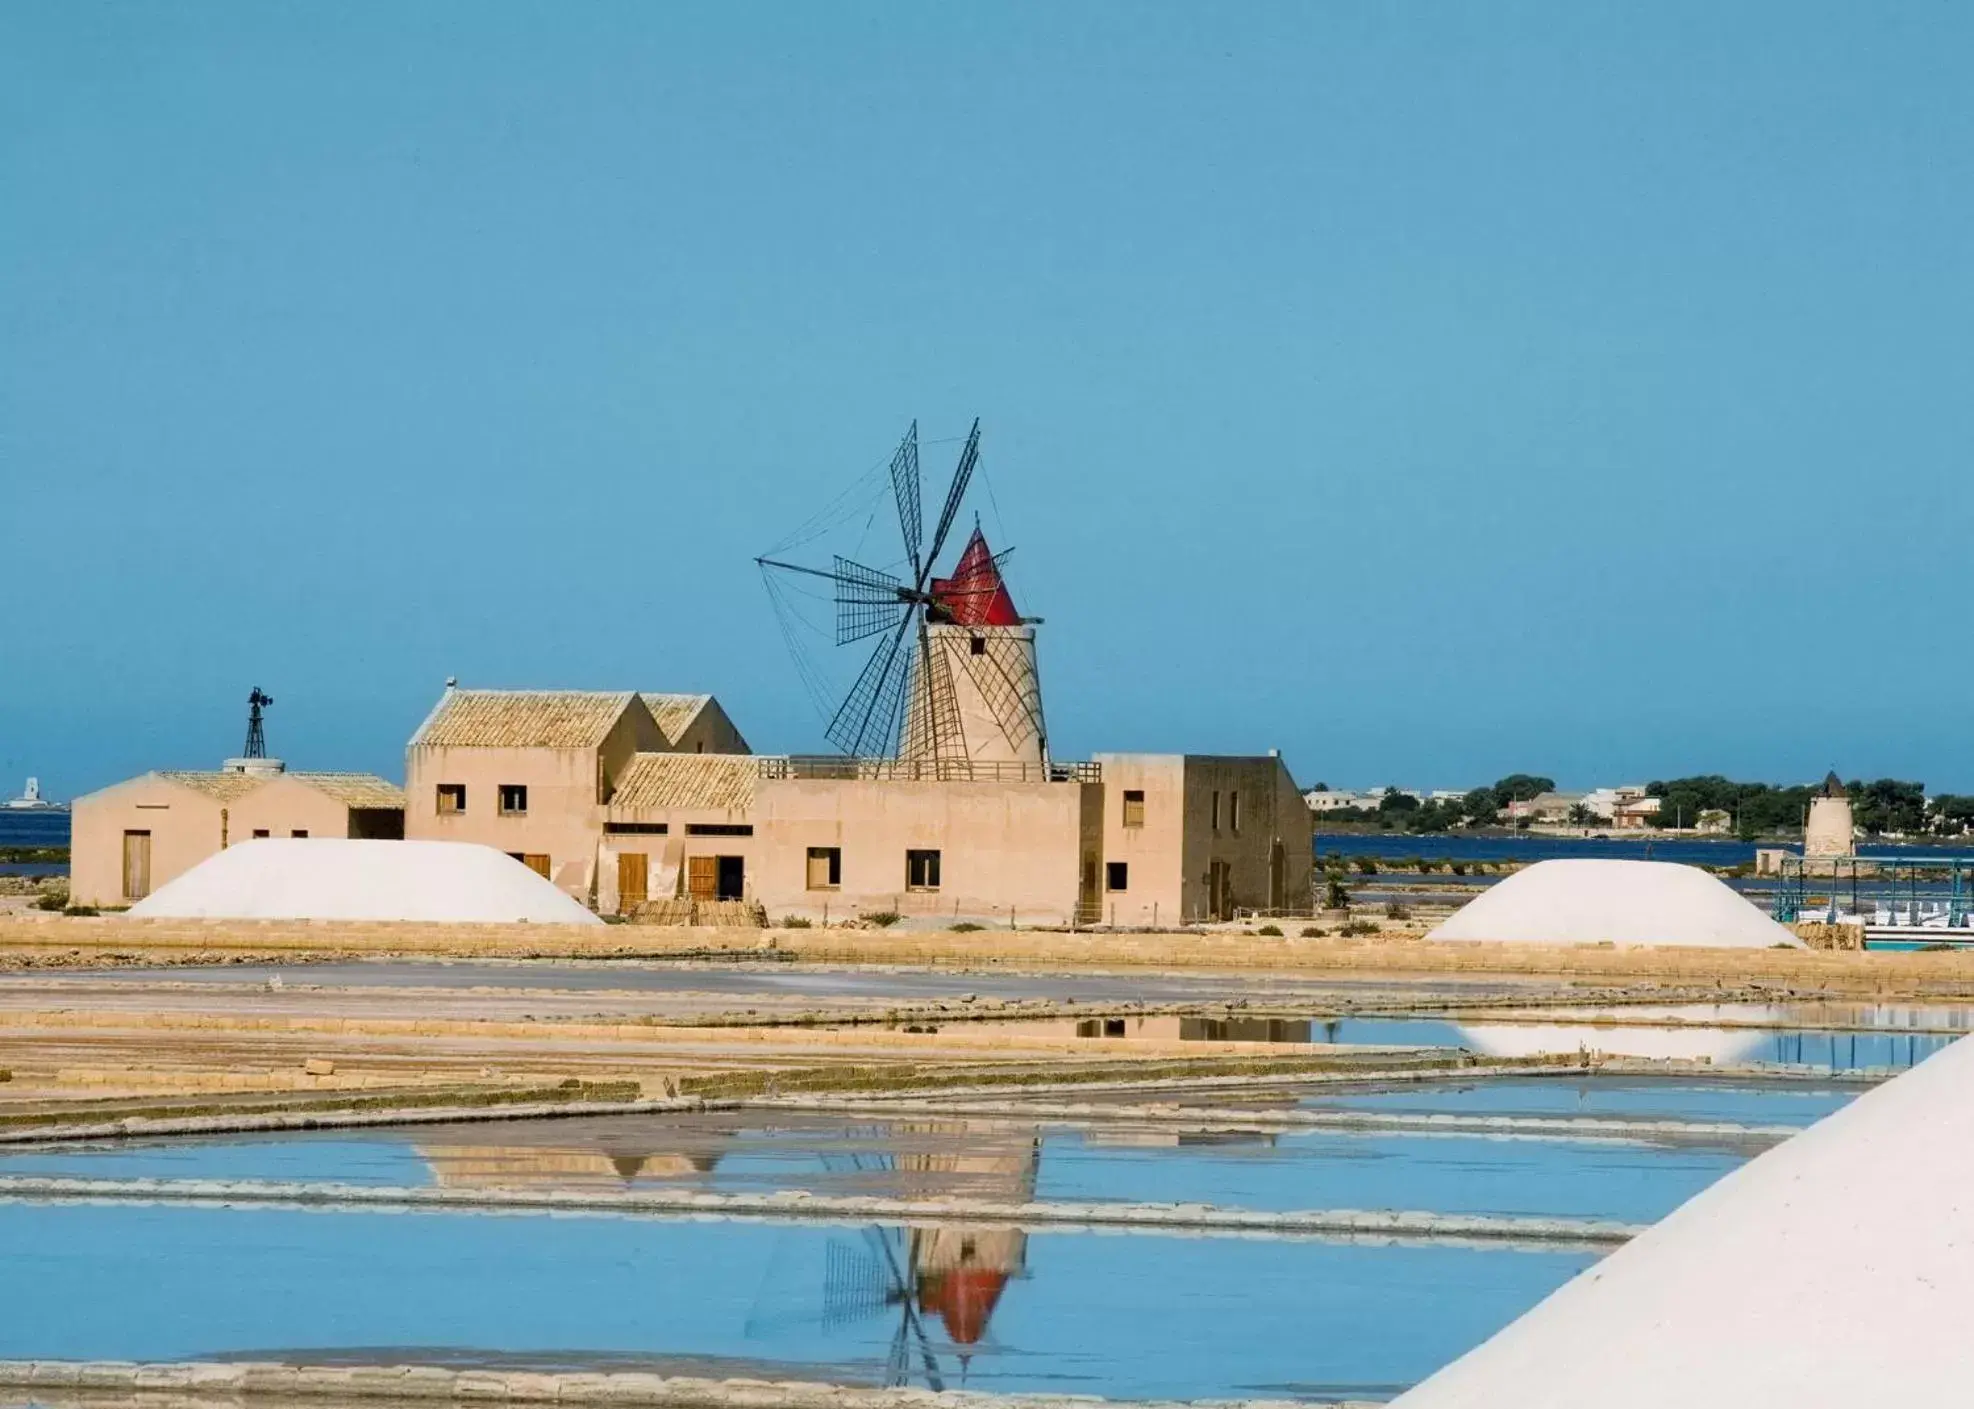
(951, 682)
(985, 650)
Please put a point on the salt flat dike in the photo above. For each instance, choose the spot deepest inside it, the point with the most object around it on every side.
(95, 1383)
(802, 1206)
(57, 941)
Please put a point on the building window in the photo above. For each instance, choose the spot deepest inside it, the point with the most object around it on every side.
(1216, 809)
(1117, 875)
(1134, 807)
(825, 867)
(637, 829)
(921, 870)
(980, 645)
(513, 800)
(719, 829)
(299, 832)
(452, 798)
(260, 831)
(534, 860)
(1234, 812)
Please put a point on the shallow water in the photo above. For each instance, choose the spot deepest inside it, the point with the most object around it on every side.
(1006, 1161)
(1603, 1097)
(1808, 1046)
(1136, 1317)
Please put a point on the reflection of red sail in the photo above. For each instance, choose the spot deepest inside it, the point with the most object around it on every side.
(963, 1298)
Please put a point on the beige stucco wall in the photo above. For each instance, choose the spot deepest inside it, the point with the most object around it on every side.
(1002, 846)
(1153, 854)
(184, 827)
(711, 731)
(281, 807)
(563, 820)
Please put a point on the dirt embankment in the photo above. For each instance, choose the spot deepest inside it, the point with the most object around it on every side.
(61, 942)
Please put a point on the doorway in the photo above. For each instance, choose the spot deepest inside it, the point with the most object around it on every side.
(633, 880)
(136, 865)
(1219, 890)
(732, 878)
(1278, 864)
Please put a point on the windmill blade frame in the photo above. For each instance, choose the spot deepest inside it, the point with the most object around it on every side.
(870, 713)
(962, 474)
(905, 489)
(868, 601)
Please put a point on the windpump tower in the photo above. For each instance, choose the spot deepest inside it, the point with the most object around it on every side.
(253, 758)
(256, 733)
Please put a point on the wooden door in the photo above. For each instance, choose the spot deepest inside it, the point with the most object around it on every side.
(136, 865)
(702, 877)
(633, 880)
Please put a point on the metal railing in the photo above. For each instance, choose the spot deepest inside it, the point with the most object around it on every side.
(840, 767)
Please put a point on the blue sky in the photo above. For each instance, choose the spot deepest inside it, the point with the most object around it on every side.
(1428, 391)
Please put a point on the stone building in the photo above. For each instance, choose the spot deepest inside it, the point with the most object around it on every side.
(132, 837)
(591, 791)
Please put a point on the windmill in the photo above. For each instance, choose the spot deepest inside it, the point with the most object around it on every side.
(256, 735)
(950, 681)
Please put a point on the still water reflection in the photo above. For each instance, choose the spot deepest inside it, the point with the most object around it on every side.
(1136, 1317)
(1004, 1161)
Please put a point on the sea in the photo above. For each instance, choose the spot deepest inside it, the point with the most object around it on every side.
(1520, 846)
(36, 828)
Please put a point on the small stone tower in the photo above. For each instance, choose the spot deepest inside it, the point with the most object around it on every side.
(1828, 831)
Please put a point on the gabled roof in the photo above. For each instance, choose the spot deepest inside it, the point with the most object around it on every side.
(674, 713)
(214, 784)
(662, 782)
(522, 719)
(354, 789)
(350, 789)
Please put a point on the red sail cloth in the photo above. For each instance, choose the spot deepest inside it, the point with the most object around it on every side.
(976, 595)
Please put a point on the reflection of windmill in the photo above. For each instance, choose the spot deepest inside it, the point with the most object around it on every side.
(878, 1276)
(951, 680)
(955, 1273)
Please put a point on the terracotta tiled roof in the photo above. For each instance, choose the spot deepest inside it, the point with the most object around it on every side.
(674, 713)
(224, 786)
(354, 789)
(521, 719)
(661, 782)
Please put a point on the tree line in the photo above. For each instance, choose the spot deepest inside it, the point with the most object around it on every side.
(1884, 805)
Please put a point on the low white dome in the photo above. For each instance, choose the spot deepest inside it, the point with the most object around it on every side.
(1623, 902)
(1831, 1271)
(325, 878)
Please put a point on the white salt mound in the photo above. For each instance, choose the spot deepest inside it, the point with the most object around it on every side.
(325, 878)
(1625, 902)
(1831, 1271)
